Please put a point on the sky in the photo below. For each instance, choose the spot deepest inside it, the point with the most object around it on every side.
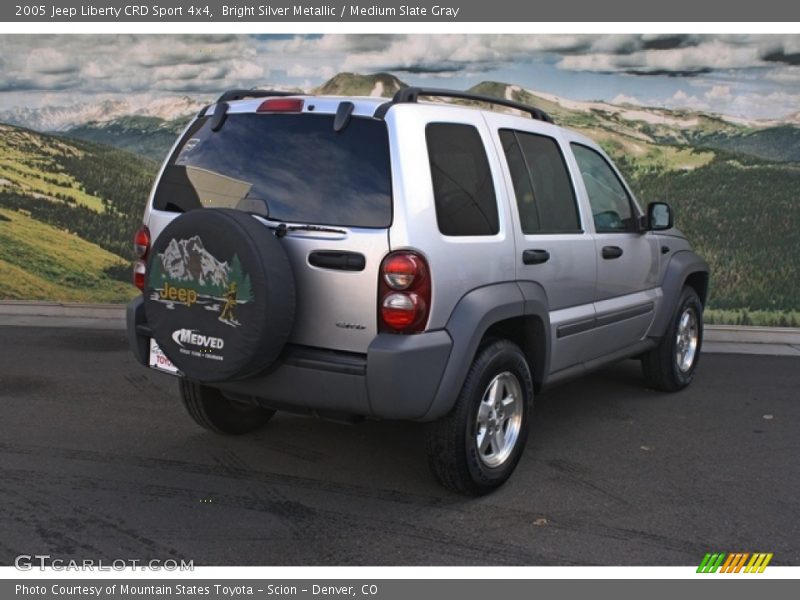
(751, 76)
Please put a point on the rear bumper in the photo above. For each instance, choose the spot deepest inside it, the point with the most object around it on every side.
(397, 378)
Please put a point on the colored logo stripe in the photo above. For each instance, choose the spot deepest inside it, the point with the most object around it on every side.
(734, 562)
(759, 562)
(711, 563)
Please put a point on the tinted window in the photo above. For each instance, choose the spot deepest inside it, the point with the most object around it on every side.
(611, 206)
(545, 198)
(462, 183)
(290, 167)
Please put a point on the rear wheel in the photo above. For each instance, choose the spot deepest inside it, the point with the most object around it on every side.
(214, 411)
(670, 366)
(476, 447)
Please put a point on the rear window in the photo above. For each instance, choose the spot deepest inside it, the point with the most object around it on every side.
(292, 168)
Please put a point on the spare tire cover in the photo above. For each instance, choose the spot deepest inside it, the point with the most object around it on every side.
(219, 296)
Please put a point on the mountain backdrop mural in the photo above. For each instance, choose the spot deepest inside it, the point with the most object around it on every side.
(74, 178)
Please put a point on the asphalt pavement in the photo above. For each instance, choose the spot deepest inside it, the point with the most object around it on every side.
(98, 460)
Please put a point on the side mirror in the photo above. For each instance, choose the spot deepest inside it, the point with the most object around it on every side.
(659, 216)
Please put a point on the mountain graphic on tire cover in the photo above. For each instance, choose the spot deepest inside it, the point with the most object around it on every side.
(219, 298)
(189, 260)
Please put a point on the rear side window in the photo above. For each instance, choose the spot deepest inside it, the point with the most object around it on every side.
(545, 198)
(289, 167)
(462, 182)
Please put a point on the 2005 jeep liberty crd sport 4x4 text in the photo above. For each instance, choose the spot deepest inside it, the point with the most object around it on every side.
(426, 261)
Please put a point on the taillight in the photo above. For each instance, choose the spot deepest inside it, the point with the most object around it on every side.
(139, 273)
(404, 293)
(281, 105)
(141, 246)
(141, 242)
(400, 270)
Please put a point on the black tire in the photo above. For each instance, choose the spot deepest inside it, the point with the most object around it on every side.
(213, 411)
(452, 445)
(660, 365)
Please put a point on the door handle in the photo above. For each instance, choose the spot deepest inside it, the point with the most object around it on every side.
(343, 261)
(535, 257)
(612, 252)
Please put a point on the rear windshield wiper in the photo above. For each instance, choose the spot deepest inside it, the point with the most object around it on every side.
(282, 229)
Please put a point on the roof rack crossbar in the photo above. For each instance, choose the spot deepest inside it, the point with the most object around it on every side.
(242, 94)
(412, 94)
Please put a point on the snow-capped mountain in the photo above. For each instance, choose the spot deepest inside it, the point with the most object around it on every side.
(188, 260)
(622, 110)
(179, 108)
(793, 118)
(63, 118)
(148, 127)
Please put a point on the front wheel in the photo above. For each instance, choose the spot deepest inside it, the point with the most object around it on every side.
(475, 448)
(670, 366)
(212, 410)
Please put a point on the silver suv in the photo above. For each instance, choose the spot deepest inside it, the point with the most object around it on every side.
(429, 261)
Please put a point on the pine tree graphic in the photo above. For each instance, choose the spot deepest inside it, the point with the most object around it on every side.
(237, 275)
(156, 278)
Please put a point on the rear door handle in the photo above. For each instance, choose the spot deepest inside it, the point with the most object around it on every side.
(535, 257)
(612, 252)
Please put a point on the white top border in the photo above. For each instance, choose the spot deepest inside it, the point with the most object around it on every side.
(528, 28)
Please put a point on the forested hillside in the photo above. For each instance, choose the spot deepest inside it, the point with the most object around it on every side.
(149, 137)
(745, 220)
(52, 187)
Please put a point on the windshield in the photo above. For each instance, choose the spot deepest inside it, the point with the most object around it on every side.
(289, 167)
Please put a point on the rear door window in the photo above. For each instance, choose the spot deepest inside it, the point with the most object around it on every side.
(545, 197)
(289, 167)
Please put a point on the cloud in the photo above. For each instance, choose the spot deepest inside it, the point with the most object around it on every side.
(719, 92)
(673, 60)
(656, 55)
(466, 53)
(666, 72)
(625, 99)
(790, 75)
(421, 53)
(666, 42)
(722, 99)
(780, 56)
(118, 64)
(244, 70)
(684, 55)
(86, 66)
(248, 59)
(309, 73)
(49, 61)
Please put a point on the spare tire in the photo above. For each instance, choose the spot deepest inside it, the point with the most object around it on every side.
(219, 296)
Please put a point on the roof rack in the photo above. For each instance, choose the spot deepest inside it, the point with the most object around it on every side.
(242, 94)
(412, 94)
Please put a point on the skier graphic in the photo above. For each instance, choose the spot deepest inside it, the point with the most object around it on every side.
(230, 302)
